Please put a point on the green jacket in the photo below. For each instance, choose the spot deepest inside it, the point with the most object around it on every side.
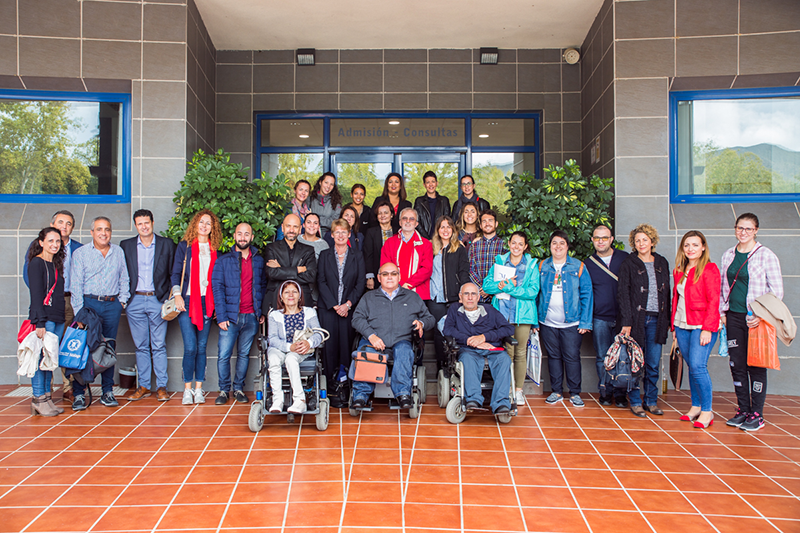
(524, 292)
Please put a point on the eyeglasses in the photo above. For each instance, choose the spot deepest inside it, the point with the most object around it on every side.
(601, 239)
(746, 231)
(467, 184)
(341, 233)
(392, 273)
(408, 219)
(470, 294)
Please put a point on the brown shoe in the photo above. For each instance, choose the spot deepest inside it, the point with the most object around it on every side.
(140, 393)
(163, 396)
(638, 410)
(653, 409)
(68, 396)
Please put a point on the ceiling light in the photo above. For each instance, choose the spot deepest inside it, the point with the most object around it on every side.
(305, 56)
(394, 122)
(489, 56)
(484, 135)
(303, 136)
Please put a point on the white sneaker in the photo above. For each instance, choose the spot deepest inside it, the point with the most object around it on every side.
(277, 407)
(188, 397)
(298, 407)
(519, 398)
(199, 396)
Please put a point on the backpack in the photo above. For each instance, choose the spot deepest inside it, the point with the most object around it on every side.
(624, 363)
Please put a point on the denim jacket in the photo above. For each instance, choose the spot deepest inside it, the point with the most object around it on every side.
(578, 299)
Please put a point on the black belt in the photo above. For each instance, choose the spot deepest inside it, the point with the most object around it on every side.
(66, 293)
(651, 313)
(146, 293)
(101, 298)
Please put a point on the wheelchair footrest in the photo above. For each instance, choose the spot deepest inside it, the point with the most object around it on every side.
(366, 408)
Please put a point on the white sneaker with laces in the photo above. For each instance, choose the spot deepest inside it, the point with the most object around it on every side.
(520, 398)
(199, 396)
(277, 407)
(188, 397)
(298, 407)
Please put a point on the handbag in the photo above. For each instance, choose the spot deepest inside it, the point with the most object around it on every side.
(369, 366)
(308, 332)
(168, 309)
(534, 359)
(676, 365)
(73, 352)
(25, 329)
(723, 341)
(762, 346)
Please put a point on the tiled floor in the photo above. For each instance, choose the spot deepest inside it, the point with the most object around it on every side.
(152, 466)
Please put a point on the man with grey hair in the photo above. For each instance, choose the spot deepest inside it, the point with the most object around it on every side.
(100, 282)
(412, 253)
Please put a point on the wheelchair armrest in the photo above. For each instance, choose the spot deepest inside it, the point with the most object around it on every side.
(510, 340)
(450, 342)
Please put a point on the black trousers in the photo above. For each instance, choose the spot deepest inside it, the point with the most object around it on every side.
(438, 311)
(338, 349)
(750, 382)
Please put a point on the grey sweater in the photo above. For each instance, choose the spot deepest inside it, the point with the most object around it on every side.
(390, 319)
(327, 213)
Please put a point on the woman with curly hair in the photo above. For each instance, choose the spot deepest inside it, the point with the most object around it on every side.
(326, 201)
(645, 307)
(394, 192)
(191, 285)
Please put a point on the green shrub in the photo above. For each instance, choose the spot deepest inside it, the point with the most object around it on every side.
(214, 183)
(563, 199)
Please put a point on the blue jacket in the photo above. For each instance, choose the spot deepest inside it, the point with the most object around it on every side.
(491, 324)
(226, 282)
(604, 287)
(525, 291)
(578, 299)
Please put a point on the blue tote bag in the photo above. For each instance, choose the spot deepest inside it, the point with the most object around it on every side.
(73, 352)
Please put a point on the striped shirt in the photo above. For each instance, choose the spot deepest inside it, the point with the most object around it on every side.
(764, 275)
(97, 275)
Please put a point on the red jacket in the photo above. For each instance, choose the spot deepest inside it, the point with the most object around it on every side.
(702, 298)
(421, 268)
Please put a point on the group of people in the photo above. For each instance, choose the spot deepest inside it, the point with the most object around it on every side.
(377, 272)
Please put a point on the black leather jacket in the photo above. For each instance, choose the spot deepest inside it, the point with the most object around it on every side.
(303, 256)
(425, 225)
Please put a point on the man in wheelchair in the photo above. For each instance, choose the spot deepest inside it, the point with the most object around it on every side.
(384, 318)
(479, 330)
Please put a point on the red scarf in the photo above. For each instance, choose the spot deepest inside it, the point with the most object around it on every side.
(195, 300)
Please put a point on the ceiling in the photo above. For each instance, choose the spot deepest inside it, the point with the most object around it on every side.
(376, 24)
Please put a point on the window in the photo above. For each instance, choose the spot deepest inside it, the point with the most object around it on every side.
(735, 145)
(64, 147)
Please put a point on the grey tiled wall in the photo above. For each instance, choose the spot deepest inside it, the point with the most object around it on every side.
(398, 80)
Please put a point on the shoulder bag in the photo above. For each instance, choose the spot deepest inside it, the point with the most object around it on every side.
(168, 309)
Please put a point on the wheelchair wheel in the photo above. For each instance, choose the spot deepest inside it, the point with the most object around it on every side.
(422, 383)
(323, 385)
(455, 413)
(415, 405)
(256, 419)
(353, 412)
(322, 416)
(443, 389)
(504, 418)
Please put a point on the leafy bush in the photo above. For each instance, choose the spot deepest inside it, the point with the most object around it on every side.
(563, 199)
(214, 183)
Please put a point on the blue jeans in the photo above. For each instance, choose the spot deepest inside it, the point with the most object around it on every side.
(242, 333)
(402, 379)
(42, 380)
(652, 362)
(602, 338)
(499, 364)
(110, 313)
(194, 345)
(563, 347)
(149, 333)
(696, 357)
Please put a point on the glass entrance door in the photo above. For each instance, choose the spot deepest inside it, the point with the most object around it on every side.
(448, 167)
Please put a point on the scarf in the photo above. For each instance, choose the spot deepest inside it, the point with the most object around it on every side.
(407, 257)
(299, 209)
(195, 300)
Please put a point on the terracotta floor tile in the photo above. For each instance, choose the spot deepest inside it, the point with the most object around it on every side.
(566, 520)
(419, 515)
(433, 474)
(110, 475)
(435, 457)
(205, 493)
(301, 473)
(549, 497)
(489, 475)
(162, 474)
(60, 519)
(13, 475)
(445, 493)
(215, 474)
(49, 443)
(493, 518)
(721, 504)
(698, 482)
(255, 515)
(126, 459)
(615, 520)
(678, 522)
(580, 461)
(271, 457)
(539, 476)
(644, 480)
(27, 459)
(322, 491)
(729, 524)
(360, 491)
(591, 478)
(201, 516)
(775, 506)
(148, 494)
(754, 485)
(600, 499)
(758, 452)
(730, 466)
(684, 465)
(387, 457)
(232, 458)
(33, 495)
(16, 519)
(122, 518)
(526, 445)
(80, 494)
(481, 444)
(532, 459)
(773, 468)
(790, 484)
(261, 493)
(660, 501)
(358, 514)
(483, 495)
(150, 444)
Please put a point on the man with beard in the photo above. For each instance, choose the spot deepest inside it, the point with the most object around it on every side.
(289, 260)
(238, 284)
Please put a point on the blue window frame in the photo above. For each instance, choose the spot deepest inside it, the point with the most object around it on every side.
(331, 153)
(735, 145)
(87, 147)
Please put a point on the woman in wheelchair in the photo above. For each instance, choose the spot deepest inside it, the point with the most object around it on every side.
(290, 317)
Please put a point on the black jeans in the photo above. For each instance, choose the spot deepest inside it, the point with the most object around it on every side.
(750, 382)
(438, 311)
(563, 348)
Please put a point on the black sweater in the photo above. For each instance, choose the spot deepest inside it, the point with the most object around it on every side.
(632, 296)
(42, 276)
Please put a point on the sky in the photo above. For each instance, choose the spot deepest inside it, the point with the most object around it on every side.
(748, 122)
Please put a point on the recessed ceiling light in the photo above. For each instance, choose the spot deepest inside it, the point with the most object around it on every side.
(492, 123)
(304, 136)
(484, 135)
(294, 123)
(394, 122)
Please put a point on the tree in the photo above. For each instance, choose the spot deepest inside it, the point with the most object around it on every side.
(214, 183)
(563, 199)
(446, 174)
(37, 153)
(487, 185)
